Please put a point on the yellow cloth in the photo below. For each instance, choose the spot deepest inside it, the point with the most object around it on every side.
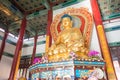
(22, 78)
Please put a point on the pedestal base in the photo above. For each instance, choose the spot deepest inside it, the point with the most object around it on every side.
(69, 70)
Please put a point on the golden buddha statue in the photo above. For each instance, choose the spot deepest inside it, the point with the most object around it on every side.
(70, 39)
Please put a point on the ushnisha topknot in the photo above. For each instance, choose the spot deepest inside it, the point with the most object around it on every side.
(66, 15)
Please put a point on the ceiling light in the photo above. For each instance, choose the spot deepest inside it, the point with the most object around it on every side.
(16, 37)
(11, 35)
(6, 12)
(2, 30)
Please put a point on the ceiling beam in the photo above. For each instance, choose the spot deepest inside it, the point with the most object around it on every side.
(39, 13)
(18, 26)
(46, 4)
(15, 25)
(3, 26)
(31, 30)
(15, 3)
(11, 7)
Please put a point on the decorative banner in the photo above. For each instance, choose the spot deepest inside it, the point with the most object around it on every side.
(106, 53)
(47, 44)
(82, 19)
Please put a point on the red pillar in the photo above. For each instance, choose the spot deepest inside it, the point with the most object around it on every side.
(34, 49)
(103, 41)
(3, 43)
(48, 34)
(17, 53)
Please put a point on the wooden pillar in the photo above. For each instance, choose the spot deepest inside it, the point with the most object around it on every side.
(48, 35)
(103, 41)
(17, 54)
(3, 43)
(34, 49)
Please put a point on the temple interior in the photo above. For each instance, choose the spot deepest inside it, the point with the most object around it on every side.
(59, 39)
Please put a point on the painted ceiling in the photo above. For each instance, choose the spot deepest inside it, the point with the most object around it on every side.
(109, 9)
(12, 12)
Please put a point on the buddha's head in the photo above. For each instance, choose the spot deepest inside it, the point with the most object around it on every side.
(66, 21)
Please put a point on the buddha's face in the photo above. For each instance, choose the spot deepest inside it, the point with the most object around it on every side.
(66, 23)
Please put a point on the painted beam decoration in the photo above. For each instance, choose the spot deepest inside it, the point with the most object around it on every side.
(106, 53)
(109, 9)
(82, 18)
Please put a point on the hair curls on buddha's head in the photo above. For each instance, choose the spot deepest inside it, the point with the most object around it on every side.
(66, 15)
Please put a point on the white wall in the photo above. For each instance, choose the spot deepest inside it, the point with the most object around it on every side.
(10, 36)
(94, 41)
(1, 33)
(39, 48)
(27, 50)
(31, 40)
(5, 67)
(113, 36)
(6, 62)
(10, 48)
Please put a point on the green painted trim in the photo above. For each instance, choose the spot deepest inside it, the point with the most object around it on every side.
(26, 56)
(36, 14)
(114, 15)
(40, 54)
(41, 42)
(29, 56)
(8, 41)
(25, 45)
(70, 2)
(8, 54)
(31, 44)
(114, 44)
(112, 28)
